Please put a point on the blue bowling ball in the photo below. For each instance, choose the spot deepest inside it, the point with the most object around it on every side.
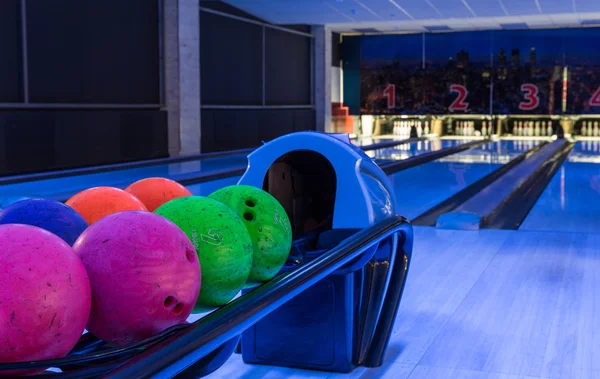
(50, 215)
(5, 202)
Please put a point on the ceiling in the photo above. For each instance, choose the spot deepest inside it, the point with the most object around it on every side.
(376, 16)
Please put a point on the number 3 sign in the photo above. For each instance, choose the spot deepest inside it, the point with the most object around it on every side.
(532, 99)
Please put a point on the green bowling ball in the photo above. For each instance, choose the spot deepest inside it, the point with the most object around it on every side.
(221, 241)
(268, 225)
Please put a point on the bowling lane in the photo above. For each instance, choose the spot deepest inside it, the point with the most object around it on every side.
(420, 188)
(61, 188)
(402, 152)
(206, 188)
(571, 201)
(394, 153)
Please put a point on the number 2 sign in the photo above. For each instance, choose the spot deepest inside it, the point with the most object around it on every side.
(459, 103)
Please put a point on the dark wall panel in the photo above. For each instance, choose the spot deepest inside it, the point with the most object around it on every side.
(29, 140)
(351, 63)
(11, 84)
(231, 61)
(237, 129)
(288, 66)
(304, 119)
(48, 140)
(73, 129)
(335, 50)
(87, 51)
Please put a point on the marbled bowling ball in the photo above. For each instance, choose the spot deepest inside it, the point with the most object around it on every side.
(50, 215)
(144, 274)
(45, 295)
(222, 242)
(267, 223)
(98, 202)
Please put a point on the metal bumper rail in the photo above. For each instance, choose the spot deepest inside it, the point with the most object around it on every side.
(506, 201)
(430, 217)
(197, 349)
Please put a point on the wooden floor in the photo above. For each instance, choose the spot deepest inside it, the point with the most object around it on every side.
(487, 304)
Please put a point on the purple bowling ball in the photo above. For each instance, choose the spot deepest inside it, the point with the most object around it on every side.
(51, 215)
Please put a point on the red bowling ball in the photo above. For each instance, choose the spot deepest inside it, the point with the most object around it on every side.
(144, 274)
(45, 295)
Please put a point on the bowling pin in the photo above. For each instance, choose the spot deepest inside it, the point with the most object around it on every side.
(542, 129)
(590, 131)
(483, 129)
(537, 128)
(596, 129)
(419, 129)
(519, 129)
(583, 128)
(549, 129)
(530, 129)
(426, 129)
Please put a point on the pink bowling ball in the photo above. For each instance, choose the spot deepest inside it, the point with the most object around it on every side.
(144, 273)
(45, 295)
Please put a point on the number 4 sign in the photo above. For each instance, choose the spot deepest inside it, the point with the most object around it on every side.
(595, 99)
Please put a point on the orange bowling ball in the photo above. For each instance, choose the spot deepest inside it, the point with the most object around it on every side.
(94, 203)
(154, 192)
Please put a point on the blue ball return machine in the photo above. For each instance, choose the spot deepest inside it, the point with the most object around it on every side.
(330, 189)
(331, 308)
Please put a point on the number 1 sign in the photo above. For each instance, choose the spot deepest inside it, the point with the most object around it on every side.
(390, 93)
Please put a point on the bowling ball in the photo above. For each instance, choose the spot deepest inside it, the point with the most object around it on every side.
(222, 242)
(144, 274)
(154, 192)
(267, 223)
(5, 202)
(98, 202)
(50, 215)
(45, 295)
